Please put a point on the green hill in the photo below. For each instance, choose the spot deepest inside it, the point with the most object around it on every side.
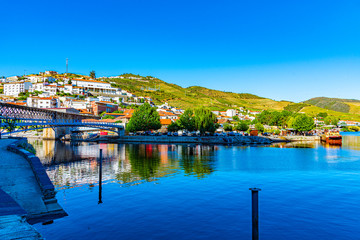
(193, 96)
(336, 104)
(196, 96)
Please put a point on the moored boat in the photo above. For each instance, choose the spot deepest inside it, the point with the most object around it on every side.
(332, 137)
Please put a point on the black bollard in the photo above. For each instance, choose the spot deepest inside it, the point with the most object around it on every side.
(100, 178)
(255, 212)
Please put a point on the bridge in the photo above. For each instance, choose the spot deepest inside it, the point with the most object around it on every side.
(59, 123)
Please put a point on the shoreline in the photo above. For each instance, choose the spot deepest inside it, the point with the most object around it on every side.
(224, 140)
(236, 140)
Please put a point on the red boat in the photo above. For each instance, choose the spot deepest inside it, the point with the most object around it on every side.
(332, 138)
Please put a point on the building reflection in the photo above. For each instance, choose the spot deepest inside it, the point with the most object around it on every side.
(73, 165)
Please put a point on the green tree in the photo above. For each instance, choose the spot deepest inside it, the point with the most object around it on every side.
(173, 127)
(331, 120)
(259, 127)
(187, 120)
(228, 127)
(242, 126)
(303, 123)
(236, 118)
(92, 74)
(205, 120)
(265, 117)
(144, 118)
(10, 124)
(322, 115)
(284, 117)
(290, 121)
(274, 118)
(108, 117)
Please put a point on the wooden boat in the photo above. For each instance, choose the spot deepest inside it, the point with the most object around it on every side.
(332, 138)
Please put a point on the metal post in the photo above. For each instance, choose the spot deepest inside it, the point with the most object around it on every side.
(255, 212)
(100, 178)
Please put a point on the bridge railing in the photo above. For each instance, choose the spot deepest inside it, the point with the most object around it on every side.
(64, 122)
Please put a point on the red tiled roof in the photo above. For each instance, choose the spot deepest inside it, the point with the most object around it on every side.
(165, 121)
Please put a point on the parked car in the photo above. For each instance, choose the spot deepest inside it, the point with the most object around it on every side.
(175, 134)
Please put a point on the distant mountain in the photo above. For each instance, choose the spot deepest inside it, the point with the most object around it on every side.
(336, 104)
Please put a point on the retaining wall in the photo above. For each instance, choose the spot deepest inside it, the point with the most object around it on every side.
(203, 140)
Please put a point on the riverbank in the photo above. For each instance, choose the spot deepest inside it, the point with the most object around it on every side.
(298, 138)
(14, 190)
(236, 140)
(23, 181)
(197, 140)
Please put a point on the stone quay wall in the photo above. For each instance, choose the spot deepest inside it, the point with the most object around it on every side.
(241, 140)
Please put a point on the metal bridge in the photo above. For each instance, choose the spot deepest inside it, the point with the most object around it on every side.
(29, 118)
(8, 110)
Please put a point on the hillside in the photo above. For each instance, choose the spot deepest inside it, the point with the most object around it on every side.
(193, 96)
(336, 104)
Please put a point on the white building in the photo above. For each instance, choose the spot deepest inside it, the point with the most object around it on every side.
(95, 86)
(230, 112)
(37, 87)
(41, 102)
(104, 99)
(15, 88)
(51, 89)
(35, 79)
(120, 99)
(77, 104)
(13, 78)
(51, 73)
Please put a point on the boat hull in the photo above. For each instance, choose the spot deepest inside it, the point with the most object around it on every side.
(333, 140)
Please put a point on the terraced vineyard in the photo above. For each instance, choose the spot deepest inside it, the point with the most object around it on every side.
(196, 96)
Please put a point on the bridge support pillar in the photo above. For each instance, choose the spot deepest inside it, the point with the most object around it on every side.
(121, 132)
(51, 134)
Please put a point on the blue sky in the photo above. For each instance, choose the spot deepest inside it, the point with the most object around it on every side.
(291, 50)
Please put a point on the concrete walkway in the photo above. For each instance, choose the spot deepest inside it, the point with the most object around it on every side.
(13, 224)
(18, 180)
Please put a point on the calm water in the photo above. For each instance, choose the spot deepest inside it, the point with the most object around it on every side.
(150, 191)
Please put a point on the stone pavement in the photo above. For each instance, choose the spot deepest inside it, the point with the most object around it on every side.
(12, 220)
(18, 180)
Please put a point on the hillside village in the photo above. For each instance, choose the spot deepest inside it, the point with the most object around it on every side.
(85, 95)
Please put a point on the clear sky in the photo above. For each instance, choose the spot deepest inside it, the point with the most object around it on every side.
(291, 50)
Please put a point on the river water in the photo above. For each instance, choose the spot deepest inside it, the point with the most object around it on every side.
(159, 191)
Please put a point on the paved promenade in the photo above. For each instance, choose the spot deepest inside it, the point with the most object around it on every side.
(18, 180)
(19, 190)
(12, 221)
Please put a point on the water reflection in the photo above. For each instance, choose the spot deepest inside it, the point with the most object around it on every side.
(71, 165)
(348, 141)
(198, 160)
